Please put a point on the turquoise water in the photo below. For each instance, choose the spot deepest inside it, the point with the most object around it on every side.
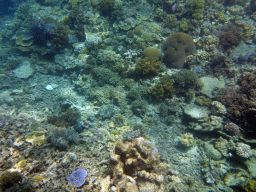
(139, 95)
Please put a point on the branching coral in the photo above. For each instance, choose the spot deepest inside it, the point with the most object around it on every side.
(164, 89)
(230, 37)
(147, 67)
(240, 103)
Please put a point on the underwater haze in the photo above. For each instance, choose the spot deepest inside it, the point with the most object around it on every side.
(128, 96)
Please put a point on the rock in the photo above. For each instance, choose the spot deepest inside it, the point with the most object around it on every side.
(251, 166)
(196, 112)
(105, 184)
(51, 86)
(212, 152)
(24, 71)
(211, 83)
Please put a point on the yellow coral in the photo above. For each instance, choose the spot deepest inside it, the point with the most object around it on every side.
(136, 165)
(187, 140)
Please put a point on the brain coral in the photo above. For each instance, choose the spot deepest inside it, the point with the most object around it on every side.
(176, 48)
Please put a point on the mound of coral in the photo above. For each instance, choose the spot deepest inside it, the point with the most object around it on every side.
(135, 166)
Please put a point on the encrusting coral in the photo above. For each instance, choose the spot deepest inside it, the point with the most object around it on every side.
(135, 166)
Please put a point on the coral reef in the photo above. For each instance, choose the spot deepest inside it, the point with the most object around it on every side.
(63, 138)
(176, 48)
(130, 135)
(106, 7)
(218, 65)
(203, 101)
(170, 21)
(138, 30)
(243, 150)
(77, 178)
(9, 181)
(240, 103)
(212, 152)
(139, 107)
(197, 9)
(185, 80)
(186, 140)
(59, 37)
(233, 129)
(135, 166)
(147, 67)
(230, 38)
(152, 52)
(164, 89)
(253, 5)
(105, 76)
(107, 111)
(66, 119)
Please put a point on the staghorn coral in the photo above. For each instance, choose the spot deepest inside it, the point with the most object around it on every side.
(176, 48)
(136, 166)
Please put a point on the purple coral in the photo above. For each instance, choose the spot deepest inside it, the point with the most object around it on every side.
(77, 178)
